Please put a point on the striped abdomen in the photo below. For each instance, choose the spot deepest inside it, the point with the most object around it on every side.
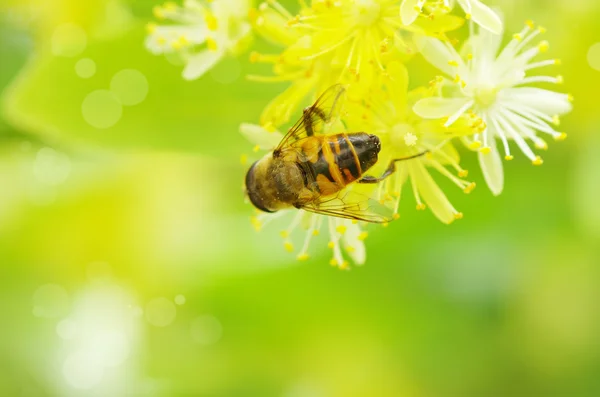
(338, 160)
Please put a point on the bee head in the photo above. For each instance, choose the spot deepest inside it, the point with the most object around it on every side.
(253, 190)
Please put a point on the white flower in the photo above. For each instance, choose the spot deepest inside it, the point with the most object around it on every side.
(493, 86)
(475, 10)
(201, 33)
(344, 235)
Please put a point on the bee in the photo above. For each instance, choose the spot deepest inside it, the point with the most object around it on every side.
(311, 168)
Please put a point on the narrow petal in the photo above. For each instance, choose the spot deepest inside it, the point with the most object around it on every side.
(485, 17)
(436, 107)
(546, 101)
(438, 54)
(408, 11)
(258, 135)
(200, 63)
(398, 82)
(353, 245)
(431, 193)
(492, 168)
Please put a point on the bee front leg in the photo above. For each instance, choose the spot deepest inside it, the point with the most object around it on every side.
(389, 170)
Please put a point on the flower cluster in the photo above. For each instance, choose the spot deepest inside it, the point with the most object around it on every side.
(486, 99)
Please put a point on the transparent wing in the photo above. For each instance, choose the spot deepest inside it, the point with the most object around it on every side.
(316, 118)
(352, 205)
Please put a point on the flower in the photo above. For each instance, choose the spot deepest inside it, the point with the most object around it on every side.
(201, 33)
(345, 236)
(474, 9)
(387, 112)
(347, 41)
(494, 87)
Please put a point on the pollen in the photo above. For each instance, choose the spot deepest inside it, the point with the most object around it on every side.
(333, 262)
(543, 46)
(256, 148)
(557, 61)
(344, 265)
(560, 79)
(396, 216)
(475, 145)
(284, 234)
(303, 256)
(556, 119)
(468, 16)
(508, 157)
(452, 63)
(530, 24)
(363, 236)
(254, 57)
(517, 37)
(537, 161)
(463, 173)
(289, 247)
(570, 97)
(458, 215)
(542, 29)
(150, 27)
(211, 44)
(331, 244)
(158, 12)
(421, 207)
(315, 232)
(469, 56)
(485, 150)
(350, 248)
(244, 159)
(211, 22)
(341, 229)
(256, 223)
(541, 145)
(470, 188)
(561, 137)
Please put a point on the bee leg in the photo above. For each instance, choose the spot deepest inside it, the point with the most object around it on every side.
(390, 169)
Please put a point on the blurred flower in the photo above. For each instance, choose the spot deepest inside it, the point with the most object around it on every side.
(344, 235)
(201, 33)
(330, 42)
(491, 86)
(387, 112)
(475, 10)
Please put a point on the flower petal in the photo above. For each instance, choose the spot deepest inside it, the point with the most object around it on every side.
(258, 135)
(200, 63)
(546, 101)
(431, 193)
(353, 245)
(438, 54)
(492, 168)
(436, 107)
(409, 11)
(485, 17)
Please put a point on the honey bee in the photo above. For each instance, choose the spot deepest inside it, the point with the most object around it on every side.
(311, 168)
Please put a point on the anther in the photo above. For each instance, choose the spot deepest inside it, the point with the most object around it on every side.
(509, 157)
(363, 235)
(543, 46)
(485, 150)
(537, 161)
(458, 215)
(341, 229)
(331, 244)
(421, 207)
(452, 63)
(463, 173)
(289, 247)
(396, 216)
(475, 145)
(561, 137)
(469, 188)
(303, 256)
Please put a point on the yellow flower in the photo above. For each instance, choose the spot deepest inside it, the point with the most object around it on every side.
(387, 112)
(199, 33)
(344, 41)
(475, 10)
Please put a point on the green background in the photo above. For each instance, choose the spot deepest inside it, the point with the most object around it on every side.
(505, 302)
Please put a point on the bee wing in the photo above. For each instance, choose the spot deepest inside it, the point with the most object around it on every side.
(316, 119)
(352, 205)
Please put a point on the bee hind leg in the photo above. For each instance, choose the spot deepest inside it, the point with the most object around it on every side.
(389, 170)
